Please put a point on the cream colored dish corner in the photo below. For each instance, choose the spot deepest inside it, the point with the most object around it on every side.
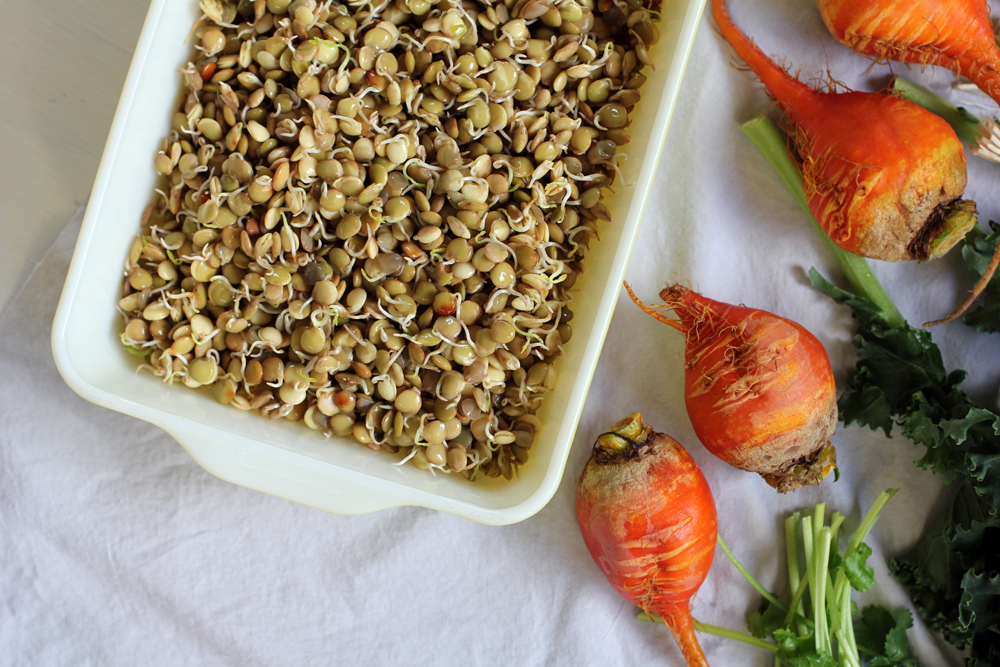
(285, 459)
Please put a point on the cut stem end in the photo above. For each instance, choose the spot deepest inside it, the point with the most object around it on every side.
(625, 433)
(958, 218)
(806, 473)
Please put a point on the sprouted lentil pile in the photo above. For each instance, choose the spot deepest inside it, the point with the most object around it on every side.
(371, 214)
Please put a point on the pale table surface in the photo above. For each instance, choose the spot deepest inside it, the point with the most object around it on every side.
(116, 548)
(55, 113)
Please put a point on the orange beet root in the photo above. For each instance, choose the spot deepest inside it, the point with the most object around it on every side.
(956, 34)
(648, 518)
(759, 388)
(884, 177)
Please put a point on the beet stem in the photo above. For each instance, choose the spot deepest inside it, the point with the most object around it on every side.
(718, 631)
(768, 595)
(733, 634)
(796, 581)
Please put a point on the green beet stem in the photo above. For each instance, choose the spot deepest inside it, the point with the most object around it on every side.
(965, 124)
(768, 595)
(861, 533)
(718, 631)
(733, 634)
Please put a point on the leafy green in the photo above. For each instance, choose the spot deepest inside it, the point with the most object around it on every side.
(800, 651)
(977, 251)
(832, 632)
(859, 573)
(954, 575)
(883, 636)
(766, 620)
(820, 580)
(900, 380)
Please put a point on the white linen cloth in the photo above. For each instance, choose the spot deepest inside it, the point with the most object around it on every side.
(117, 549)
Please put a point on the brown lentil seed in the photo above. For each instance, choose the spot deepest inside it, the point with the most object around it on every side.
(407, 402)
(277, 152)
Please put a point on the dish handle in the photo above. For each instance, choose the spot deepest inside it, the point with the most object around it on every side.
(280, 478)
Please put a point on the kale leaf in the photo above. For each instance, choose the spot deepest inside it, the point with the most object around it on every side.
(977, 251)
(953, 575)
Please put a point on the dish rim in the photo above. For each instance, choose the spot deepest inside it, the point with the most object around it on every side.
(198, 438)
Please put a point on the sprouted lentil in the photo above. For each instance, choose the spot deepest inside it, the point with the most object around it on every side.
(372, 213)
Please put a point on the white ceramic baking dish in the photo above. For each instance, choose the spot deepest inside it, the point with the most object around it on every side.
(289, 460)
